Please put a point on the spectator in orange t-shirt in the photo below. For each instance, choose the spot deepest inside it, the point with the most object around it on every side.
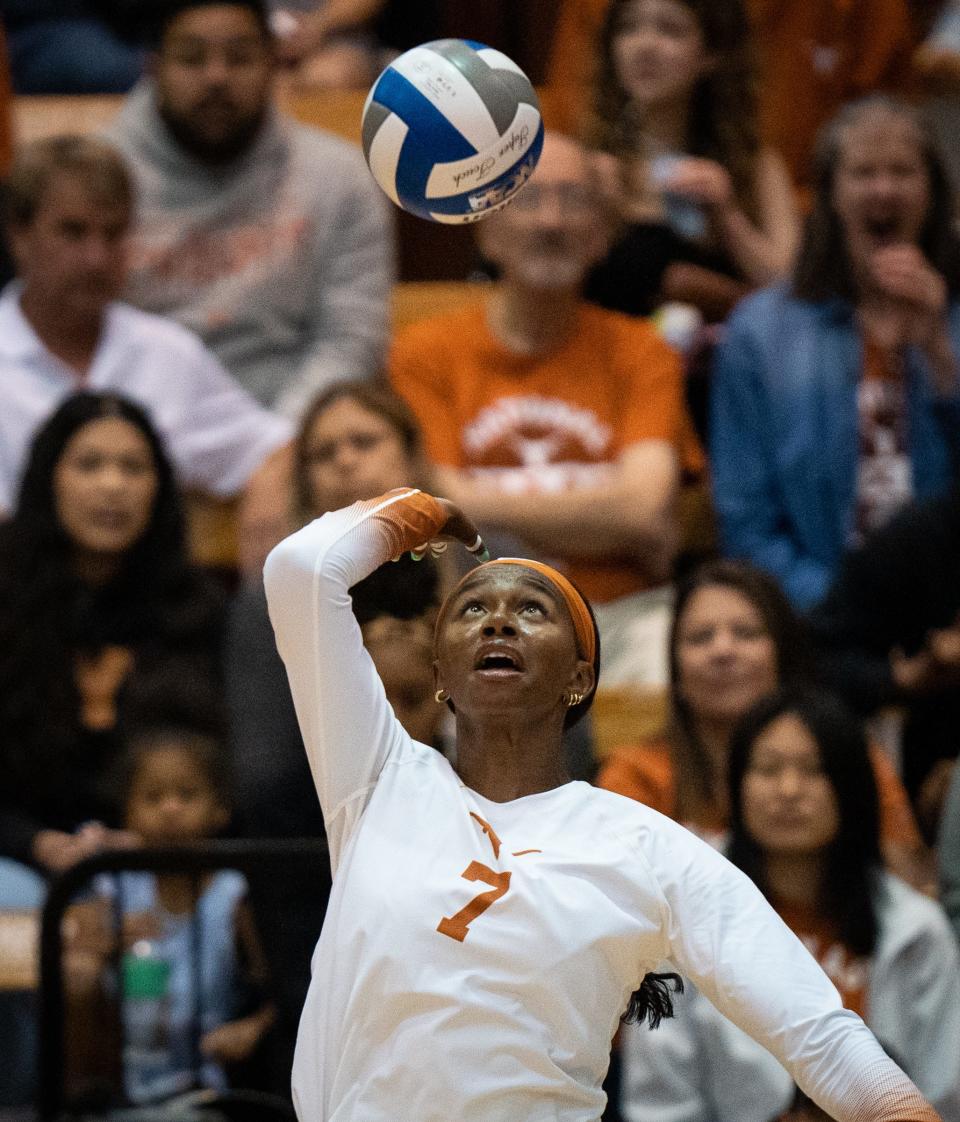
(814, 56)
(736, 639)
(558, 423)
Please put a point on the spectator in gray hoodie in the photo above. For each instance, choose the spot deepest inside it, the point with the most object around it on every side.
(267, 238)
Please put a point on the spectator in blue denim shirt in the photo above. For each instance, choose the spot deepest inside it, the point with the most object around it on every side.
(836, 396)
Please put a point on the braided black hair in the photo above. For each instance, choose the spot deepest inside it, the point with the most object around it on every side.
(652, 1002)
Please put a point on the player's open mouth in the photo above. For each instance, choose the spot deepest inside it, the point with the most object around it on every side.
(498, 662)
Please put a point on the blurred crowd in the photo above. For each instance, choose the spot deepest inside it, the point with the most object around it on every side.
(707, 362)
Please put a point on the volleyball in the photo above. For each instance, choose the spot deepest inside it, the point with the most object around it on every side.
(452, 130)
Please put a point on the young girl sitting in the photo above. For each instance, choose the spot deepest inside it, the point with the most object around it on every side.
(199, 927)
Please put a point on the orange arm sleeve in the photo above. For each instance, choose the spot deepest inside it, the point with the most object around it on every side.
(410, 522)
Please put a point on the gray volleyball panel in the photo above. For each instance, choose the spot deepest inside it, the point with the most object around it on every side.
(499, 90)
(375, 116)
(516, 86)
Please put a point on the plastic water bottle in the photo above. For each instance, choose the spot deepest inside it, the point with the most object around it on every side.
(147, 1058)
(684, 216)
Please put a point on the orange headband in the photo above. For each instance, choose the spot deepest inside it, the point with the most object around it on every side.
(576, 605)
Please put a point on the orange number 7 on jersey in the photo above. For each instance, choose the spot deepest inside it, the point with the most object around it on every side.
(457, 926)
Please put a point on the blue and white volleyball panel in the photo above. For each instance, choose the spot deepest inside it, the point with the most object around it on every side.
(451, 130)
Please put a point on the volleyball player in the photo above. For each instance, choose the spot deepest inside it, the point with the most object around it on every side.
(490, 923)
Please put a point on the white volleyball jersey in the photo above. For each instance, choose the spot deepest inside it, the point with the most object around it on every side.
(476, 956)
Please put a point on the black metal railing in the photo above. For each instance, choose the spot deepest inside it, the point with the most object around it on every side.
(252, 858)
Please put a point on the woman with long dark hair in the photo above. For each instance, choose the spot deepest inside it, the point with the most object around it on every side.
(804, 827)
(836, 397)
(735, 638)
(675, 105)
(97, 597)
(491, 922)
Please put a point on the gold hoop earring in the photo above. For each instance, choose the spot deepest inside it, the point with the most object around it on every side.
(441, 696)
(571, 698)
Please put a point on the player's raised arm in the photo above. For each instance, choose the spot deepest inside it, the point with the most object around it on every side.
(724, 935)
(347, 724)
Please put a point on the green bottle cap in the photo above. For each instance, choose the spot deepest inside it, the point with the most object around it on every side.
(144, 975)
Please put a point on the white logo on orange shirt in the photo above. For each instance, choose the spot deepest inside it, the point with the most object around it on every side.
(537, 444)
(535, 430)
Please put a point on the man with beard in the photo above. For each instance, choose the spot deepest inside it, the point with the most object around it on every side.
(267, 238)
(559, 423)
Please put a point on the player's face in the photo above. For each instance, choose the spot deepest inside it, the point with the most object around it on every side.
(352, 453)
(72, 256)
(402, 651)
(105, 483)
(506, 644)
(171, 799)
(214, 75)
(881, 190)
(789, 804)
(658, 52)
(726, 659)
(554, 228)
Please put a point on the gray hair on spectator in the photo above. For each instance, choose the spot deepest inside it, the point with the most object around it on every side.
(823, 269)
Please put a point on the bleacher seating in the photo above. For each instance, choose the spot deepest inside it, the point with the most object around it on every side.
(39, 116)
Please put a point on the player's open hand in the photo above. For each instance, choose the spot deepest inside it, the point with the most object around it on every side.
(422, 523)
(460, 528)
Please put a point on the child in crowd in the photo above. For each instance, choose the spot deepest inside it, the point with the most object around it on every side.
(804, 826)
(707, 210)
(200, 926)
